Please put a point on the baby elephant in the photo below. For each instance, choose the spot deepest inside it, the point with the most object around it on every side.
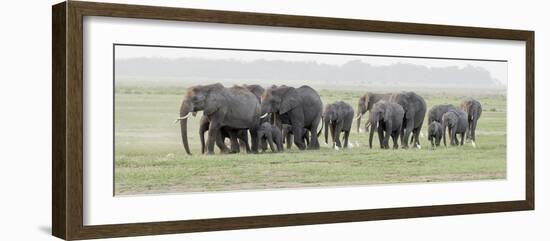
(268, 134)
(338, 117)
(457, 123)
(435, 131)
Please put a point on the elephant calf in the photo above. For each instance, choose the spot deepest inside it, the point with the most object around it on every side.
(435, 132)
(457, 123)
(270, 134)
(338, 117)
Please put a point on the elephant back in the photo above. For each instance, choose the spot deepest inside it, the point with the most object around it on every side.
(413, 105)
(310, 98)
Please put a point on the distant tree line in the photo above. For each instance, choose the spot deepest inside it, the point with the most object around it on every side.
(353, 72)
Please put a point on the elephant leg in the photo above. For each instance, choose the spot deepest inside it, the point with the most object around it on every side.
(307, 138)
(389, 133)
(468, 128)
(473, 131)
(313, 142)
(220, 142)
(402, 135)
(288, 140)
(264, 144)
(381, 136)
(234, 142)
(454, 140)
(332, 129)
(327, 124)
(279, 143)
(261, 141)
(416, 135)
(270, 141)
(337, 131)
(202, 129)
(455, 135)
(395, 138)
(298, 132)
(346, 139)
(254, 139)
(461, 139)
(408, 130)
(243, 140)
(213, 133)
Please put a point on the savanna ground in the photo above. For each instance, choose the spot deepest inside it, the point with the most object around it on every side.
(149, 156)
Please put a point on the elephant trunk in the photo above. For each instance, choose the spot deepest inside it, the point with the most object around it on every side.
(183, 125)
(361, 109)
(359, 116)
(184, 115)
(373, 126)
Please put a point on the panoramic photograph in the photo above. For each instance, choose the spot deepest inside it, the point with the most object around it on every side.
(195, 119)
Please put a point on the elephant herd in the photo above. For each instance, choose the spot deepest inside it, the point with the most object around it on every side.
(282, 114)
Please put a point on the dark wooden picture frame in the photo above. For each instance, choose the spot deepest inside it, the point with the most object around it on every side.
(67, 123)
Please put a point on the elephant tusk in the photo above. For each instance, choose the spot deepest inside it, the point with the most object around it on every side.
(182, 118)
(358, 116)
(263, 116)
(185, 117)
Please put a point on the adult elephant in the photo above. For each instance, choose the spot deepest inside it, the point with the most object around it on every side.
(437, 111)
(235, 108)
(387, 118)
(473, 109)
(299, 107)
(415, 110)
(227, 132)
(365, 104)
(338, 116)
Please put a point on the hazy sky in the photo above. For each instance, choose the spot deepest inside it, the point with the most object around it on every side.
(498, 70)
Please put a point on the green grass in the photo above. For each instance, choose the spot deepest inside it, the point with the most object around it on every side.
(149, 156)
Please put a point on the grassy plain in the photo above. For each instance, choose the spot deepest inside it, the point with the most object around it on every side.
(149, 156)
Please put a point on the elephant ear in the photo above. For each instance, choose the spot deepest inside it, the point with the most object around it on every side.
(214, 99)
(290, 100)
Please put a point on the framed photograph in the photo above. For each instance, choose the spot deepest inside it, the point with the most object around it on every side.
(171, 120)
